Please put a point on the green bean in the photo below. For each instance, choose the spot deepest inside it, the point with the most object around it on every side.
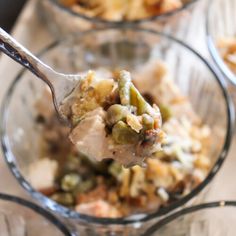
(129, 95)
(65, 199)
(85, 186)
(115, 169)
(72, 163)
(116, 113)
(138, 101)
(124, 83)
(123, 134)
(70, 181)
(147, 122)
(166, 112)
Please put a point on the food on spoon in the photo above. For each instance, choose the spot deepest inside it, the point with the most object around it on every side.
(111, 119)
(106, 188)
(119, 10)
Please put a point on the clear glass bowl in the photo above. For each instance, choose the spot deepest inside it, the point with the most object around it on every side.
(62, 20)
(126, 48)
(221, 23)
(215, 218)
(19, 217)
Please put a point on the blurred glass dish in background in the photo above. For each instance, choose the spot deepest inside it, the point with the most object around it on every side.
(72, 17)
(216, 218)
(128, 49)
(221, 35)
(19, 217)
(121, 11)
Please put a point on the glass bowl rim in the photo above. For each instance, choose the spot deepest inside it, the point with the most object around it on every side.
(166, 220)
(122, 22)
(66, 212)
(215, 55)
(36, 209)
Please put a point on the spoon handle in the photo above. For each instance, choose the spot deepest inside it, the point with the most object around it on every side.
(23, 56)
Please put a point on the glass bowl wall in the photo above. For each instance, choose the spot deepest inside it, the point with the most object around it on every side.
(19, 217)
(216, 218)
(221, 23)
(128, 49)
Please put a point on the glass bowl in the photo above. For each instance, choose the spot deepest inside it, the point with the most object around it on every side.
(52, 12)
(221, 23)
(19, 217)
(126, 48)
(215, 218)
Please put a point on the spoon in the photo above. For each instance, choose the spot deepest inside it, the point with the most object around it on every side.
(60, 84)
(133, 135)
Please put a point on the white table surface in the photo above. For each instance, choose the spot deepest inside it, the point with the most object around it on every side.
(31, 32)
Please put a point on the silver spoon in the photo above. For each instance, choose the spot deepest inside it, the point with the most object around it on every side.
(60, 84)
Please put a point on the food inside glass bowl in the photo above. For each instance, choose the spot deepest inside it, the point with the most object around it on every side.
(111, 119)
(119, 10)
(106, 188)
(227, 48)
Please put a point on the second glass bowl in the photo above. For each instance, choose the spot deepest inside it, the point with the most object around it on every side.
(19, 217)
(62, 20)
(221, 27)
(111, 48)
(214, 218)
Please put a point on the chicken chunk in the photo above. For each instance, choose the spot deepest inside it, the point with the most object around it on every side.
(42, 173)
(98, 208)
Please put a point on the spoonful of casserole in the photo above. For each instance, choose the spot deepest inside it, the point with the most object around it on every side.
(108, 116)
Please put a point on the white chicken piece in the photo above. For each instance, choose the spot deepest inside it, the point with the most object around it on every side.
(98, 208)
(41, 174)
(91, 130)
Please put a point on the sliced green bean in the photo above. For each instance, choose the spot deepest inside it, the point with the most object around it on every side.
(123, 134)
(138, 101)
(85, 186)
(65, 199)
(116, 113)
(115, 169)
(124, 83)
(147, 122)
(70, 181)
(166, 112)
